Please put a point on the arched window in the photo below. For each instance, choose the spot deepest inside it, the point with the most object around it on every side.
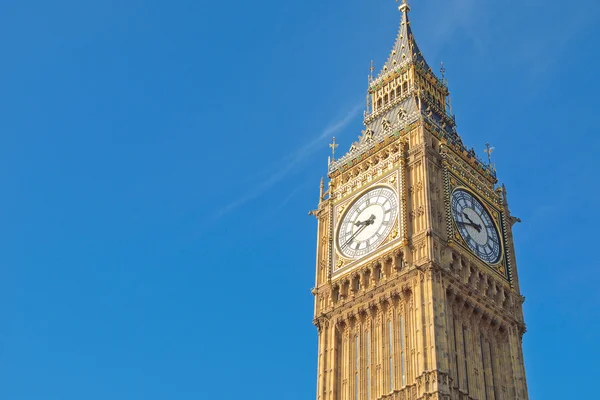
(336, 294)
(356, 284)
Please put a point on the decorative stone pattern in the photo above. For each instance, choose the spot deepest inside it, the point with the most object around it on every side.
(470, 175)
(421, 317)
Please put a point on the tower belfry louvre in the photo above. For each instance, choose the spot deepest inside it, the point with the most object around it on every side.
(417, 293)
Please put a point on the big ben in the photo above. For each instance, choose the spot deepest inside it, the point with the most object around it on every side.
(417, 293)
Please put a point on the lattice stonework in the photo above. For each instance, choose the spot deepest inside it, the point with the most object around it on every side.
(507, 254)
(416, 293)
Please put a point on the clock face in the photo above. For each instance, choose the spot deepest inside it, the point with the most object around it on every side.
(476, 226)
(367, 222)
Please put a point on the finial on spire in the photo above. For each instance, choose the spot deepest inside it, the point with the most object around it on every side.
(404, 7)
(333, 146)
(445, 82)
(368, 96)
(489, 150)
(322, 192)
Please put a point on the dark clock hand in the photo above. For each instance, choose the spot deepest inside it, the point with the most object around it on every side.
(367, 222)
(371, 220)
(477, 227)
(473, 224)
(364, 225)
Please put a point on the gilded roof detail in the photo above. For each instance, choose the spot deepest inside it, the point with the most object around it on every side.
(415, 104)
(405, 49)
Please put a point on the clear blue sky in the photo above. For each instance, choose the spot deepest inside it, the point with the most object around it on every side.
(158, 160)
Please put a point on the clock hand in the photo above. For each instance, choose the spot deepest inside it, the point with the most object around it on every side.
(356, 233)
(471, 222)
(478, 227)
(363, 225)
(369, 221)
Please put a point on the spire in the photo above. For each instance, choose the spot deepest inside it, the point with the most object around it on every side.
(405, 48)
(405, 91)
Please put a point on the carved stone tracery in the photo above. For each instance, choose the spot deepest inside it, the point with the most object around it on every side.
(448, 299)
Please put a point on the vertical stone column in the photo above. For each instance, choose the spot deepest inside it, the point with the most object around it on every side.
(440, 324)
(495, 378)
(335, 375)
(379, 345)
(367, 357)
(462, 371)
(518, 364)
(345, 361)
(411, 346)
(485, 377)
(419, 327)
(329, 362)
(453, 365)
(322, 333)
(504, 367)
(470, 347)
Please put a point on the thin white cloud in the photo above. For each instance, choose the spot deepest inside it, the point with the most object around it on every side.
(328, 133)
(292, 161)
(290, 196)
(443, 20)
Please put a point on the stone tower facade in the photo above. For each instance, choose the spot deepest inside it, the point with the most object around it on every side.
(417, 293)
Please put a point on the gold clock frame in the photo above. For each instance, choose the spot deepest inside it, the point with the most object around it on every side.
(492, 206)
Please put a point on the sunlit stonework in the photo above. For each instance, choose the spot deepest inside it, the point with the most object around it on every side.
(417, 293)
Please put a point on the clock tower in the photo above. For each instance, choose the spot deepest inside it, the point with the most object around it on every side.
(417, 293)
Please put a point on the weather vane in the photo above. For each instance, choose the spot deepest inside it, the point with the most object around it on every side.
(333, 146)
(489, 150)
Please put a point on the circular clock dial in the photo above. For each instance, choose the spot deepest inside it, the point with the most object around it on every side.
(367, 222)
(476, 226)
